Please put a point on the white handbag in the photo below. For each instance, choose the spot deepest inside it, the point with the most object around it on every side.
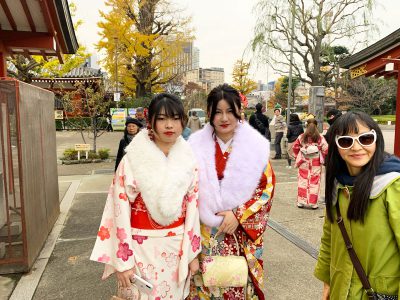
(224, 271)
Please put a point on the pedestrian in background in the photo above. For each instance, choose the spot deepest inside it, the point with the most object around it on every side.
(140, 116)
(295, 128)
(194, 122)
(236, 184)
(310, 149)
(150, 225)
(132, 127)
(109, 123)
(280, 127)
(259, 121)
(362, 193)
(186, 130)
(331, 116)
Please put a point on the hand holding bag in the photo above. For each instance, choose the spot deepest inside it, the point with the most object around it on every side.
(372, 295)
(224, 271)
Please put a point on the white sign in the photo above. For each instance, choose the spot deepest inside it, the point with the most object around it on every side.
(82, 147)
(117, 97)
(58, 114)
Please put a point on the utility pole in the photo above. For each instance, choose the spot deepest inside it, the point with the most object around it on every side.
(116, 94)
(290, 96)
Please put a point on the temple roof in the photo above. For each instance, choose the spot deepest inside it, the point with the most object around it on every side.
(375, 50)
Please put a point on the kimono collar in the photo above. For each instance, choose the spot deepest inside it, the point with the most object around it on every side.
(163, 181)
(243, 171)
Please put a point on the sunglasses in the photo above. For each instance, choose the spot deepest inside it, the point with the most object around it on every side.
(365, 139)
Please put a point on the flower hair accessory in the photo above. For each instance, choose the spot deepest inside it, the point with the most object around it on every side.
(150, 132)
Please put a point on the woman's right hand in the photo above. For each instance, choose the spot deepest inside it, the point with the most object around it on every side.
(325, 293)
(124, 278)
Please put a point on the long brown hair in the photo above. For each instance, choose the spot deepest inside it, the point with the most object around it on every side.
(311, 132)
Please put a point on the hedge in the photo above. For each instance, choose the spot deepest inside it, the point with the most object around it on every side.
(77, 123)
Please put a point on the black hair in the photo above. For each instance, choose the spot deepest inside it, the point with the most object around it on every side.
(294, 118)
(229, 94)
(168, 104)
(259, 107)
(334, 112)
(347, 123)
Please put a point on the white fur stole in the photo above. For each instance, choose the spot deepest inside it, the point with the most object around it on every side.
(246, 162)
(163, 181)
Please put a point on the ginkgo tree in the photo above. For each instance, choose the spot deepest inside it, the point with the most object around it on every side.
(241, 79)
(144, 42)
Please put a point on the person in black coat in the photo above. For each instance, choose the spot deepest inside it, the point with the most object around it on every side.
(132, 127)
(332, 115)
(259, 121)
(294, 129)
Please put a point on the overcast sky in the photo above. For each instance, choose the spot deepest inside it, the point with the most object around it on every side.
(223, 29)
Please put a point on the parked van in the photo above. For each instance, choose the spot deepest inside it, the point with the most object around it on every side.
(200, 113)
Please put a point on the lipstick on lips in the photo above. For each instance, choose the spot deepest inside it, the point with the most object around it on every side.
(224, 125)
(168, 133)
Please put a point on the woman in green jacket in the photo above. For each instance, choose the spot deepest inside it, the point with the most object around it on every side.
(365, 181)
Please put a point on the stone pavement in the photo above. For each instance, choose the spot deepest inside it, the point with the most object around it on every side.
(63, 269)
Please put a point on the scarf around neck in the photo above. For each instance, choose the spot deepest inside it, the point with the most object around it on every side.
(390, 164)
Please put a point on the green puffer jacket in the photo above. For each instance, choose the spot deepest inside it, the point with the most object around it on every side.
(376, 242)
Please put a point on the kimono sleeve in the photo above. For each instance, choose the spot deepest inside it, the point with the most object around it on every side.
(322, 269)
(191, 245)
(113, 245)
(253, 215)
(297, 145)
(324, 147)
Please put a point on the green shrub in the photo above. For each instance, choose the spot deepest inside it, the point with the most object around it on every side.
(93, 155)
(104, 153)
(70, 154)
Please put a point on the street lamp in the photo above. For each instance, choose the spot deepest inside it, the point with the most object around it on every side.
(290, 96)
(116, 94)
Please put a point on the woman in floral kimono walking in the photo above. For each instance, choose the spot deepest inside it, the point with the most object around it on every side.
(150, 225)
(236, 184)
(310, 150)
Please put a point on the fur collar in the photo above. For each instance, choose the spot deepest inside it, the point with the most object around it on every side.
(246, 162)
(163, 181)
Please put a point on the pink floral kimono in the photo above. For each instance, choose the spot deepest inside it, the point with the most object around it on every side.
(151, 218)
(310, 169)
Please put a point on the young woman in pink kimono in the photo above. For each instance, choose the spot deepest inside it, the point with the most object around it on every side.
(310, 150)
(150, 225)
(235, 193)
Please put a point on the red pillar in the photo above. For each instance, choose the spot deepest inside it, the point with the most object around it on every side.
(397, 126)
(3, 62)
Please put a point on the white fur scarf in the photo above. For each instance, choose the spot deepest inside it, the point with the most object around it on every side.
(246, 162)
(162, 180)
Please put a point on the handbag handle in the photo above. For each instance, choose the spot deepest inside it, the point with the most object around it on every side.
(353, 256)
(216, 245)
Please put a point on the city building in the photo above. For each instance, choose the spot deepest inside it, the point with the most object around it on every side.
(207, 78)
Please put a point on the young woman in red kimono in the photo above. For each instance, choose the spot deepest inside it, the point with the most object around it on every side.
(236, 184)
(150, 225)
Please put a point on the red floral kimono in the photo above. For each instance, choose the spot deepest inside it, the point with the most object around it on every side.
(252, 216)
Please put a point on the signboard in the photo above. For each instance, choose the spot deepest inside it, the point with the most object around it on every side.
(58, 115)
(132, 112)
(118, 118)
(82, 147)
(117, 97)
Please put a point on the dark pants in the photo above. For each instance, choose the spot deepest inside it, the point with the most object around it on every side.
(278, 139)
